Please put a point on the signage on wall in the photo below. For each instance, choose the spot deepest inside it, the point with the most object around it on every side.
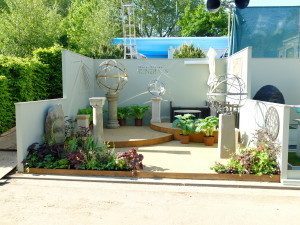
(151, 70)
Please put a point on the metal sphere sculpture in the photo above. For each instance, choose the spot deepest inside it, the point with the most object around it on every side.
(111, 76)
(156, 88)
(226, 93)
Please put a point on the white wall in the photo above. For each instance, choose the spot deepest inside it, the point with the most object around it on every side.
(185, 84)
(252, 118)
(238, 64)
(30, 116)
(78, 81)
(30, 119)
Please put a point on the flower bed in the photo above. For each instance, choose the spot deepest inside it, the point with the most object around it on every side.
(81, 152)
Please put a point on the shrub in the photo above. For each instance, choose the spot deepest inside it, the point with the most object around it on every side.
(7, 107)
(29, 79)
(132, 159)
(52, 59)
(188, 51)
(259, 160)
(81, 151)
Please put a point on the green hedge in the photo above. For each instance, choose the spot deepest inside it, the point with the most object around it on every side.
(51, 57)
(7, 108)
(28, 79)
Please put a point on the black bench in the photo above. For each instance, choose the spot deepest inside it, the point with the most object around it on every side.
(204, 111)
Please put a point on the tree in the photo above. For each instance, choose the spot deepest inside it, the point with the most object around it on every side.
(199, 22)
(26, 25)
(159, 17)
(92, 24)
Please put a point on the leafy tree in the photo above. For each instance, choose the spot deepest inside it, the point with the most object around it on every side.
(26, 25)
(159, 17)
(199, 22)
(90, 25)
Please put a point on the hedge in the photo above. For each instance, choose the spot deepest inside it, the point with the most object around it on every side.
(28, 79)
(6, 109)
(51, 57)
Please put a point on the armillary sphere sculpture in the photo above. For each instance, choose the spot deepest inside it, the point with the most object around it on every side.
(112, 76)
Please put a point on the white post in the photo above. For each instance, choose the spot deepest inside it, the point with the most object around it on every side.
(112, 99)
(97, 104)
(156, 106)
(226, 146)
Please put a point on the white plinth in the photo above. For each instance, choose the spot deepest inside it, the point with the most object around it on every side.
(156, 108)
(97, 104)
(227, 143)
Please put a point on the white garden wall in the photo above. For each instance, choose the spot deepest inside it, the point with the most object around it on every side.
(78, 87)
(185, 81)
(252, 118)
(30, 119)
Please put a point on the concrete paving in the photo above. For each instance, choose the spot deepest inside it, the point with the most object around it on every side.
(181, 158)
(8, 161)
(131, 133)
(72, 202)
(8, 140)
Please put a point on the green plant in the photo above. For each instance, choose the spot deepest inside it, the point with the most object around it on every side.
(29, 79)
(188, 51)
(7, 107)
(259, 160)
(86, 111)
(185, 123)
(207, 125)
(138, 111)
(123, 112)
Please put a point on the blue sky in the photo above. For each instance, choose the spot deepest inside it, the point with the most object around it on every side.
(274, 3)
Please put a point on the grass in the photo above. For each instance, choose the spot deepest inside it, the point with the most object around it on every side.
(293, 159)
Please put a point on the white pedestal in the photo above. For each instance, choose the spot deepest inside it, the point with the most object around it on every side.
(156, 108)
(112, 99)
(97, 104)
(227, 140)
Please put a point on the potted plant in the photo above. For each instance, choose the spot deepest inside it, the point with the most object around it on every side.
(186, 124)
(84, 117)
(138, 112)
(207, 126)
(123, 113)
(197, 135)
(215, 121)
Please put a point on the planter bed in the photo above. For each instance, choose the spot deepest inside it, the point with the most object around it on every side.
(157, 175)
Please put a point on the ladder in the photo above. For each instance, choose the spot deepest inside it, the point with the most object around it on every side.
(129, 32)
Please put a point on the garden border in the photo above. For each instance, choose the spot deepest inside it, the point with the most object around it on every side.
(156, 175)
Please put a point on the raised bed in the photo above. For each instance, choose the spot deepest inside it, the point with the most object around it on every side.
(160, 175)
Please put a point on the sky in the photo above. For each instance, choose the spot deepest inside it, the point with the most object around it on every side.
(274, 3)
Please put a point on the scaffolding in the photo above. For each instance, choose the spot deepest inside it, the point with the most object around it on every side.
(129, 32)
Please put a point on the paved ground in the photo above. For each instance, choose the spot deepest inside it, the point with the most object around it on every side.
(131, 133)
(8, 140)
(8, 161)
(71, 202)
(176, 157)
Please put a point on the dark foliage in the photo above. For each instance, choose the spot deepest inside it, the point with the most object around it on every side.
(132, 158)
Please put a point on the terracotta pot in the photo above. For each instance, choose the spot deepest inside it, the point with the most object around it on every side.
(209, 141)
(216, 134)
(122, 122)
(196, 137)
(138, 122)
(184, 139)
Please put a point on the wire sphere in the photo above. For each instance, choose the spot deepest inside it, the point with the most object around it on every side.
(111, 76)
(227, 93)
(156, 88)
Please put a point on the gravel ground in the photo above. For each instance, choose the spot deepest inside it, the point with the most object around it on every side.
(73, 202)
